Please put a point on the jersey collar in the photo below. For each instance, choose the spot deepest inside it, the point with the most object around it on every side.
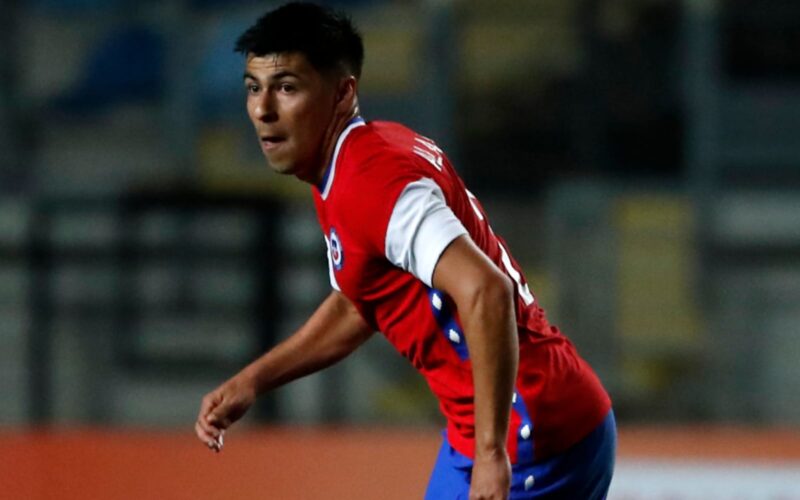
(327, 179)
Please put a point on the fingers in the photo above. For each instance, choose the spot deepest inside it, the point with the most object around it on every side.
(217, 444)
(220, 409)
(214, 438)
(217, 421)
(207, 405)
(204, 436)
(215, 411)
(206, 430)
(211, 425)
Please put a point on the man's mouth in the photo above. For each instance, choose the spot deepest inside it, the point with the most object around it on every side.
(269, 142)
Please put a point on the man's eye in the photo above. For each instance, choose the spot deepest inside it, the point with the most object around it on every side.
(287, 87)
(253, 89)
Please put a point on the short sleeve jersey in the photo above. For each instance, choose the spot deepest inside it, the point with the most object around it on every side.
(384, 182)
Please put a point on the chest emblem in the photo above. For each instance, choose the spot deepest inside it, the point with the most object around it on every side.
(337, 252)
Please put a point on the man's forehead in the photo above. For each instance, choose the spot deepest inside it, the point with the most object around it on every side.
(294, 62)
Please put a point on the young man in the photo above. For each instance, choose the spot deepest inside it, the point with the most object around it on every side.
(412, 255)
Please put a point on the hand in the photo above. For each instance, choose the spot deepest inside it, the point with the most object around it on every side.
(491, 477)
(221, 408)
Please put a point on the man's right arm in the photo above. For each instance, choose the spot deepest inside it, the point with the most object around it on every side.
(334, 330)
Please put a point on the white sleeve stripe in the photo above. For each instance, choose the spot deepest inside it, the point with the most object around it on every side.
(332, 276)
(420, 229)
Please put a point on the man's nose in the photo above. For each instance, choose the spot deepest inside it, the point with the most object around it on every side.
(265, 108)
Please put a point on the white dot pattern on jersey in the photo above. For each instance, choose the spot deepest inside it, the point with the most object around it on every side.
(454, 336)
(529, 482)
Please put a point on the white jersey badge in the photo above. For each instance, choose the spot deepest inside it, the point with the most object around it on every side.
(337, 253)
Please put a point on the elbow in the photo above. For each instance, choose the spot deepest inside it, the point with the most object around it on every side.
(490, 314)
(493, 291)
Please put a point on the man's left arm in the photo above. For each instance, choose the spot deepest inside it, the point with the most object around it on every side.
(484, 297)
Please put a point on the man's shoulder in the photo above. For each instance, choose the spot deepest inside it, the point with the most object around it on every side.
(375, 164)
(379, 141)
(390, 131)
(377, 156)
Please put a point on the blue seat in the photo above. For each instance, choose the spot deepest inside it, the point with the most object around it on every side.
(127, 66)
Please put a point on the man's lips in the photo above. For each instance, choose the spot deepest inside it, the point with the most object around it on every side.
(270, 142)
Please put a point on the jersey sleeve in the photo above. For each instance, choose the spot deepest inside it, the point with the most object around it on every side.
(420, 228)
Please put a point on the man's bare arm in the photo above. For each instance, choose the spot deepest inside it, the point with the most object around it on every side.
(485, 300)
(334, 330)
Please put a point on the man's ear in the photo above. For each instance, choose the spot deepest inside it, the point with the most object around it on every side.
(347, 93)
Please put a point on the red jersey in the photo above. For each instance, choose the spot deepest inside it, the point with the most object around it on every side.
(389, 204)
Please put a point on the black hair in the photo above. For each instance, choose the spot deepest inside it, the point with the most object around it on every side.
(327, 38)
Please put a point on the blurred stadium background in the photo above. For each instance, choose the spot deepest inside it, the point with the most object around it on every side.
(642, 158)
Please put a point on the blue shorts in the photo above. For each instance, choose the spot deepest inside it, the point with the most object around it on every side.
(582, 472)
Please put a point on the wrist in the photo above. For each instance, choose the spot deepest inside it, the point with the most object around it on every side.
(490, 442)
(490, 451)
(248, 379)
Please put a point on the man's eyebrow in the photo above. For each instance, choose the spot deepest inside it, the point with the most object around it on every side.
(283, 74)
(274, 76)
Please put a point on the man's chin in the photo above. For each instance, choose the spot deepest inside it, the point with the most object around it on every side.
(280, 168)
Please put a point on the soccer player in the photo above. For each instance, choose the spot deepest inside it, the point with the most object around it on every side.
(411, 254)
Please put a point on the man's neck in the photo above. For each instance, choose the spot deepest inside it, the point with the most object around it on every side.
(338, 124)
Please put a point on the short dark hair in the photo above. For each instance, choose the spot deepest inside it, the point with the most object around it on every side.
(327, 38)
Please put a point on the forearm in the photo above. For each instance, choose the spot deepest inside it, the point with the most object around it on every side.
(331, 333)
(490, 328)
(484, 298)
